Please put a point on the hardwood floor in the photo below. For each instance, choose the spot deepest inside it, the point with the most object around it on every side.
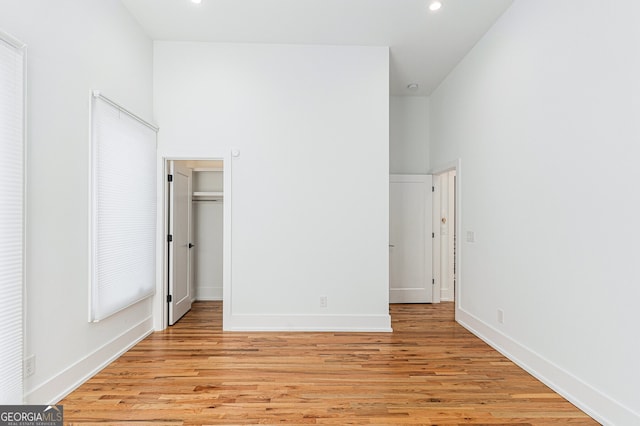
(428, 371)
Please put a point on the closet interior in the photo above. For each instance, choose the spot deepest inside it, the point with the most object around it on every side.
(206, 228)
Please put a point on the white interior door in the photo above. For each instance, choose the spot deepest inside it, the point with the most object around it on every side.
(410, 246)
(179, 247)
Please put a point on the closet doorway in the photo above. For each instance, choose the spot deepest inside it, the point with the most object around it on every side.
(194, 212)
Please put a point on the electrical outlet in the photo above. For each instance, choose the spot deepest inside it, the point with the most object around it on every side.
(30, 366)
(500, 316)
(323, 301)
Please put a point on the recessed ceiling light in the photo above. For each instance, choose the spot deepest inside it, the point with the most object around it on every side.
(413, 86)
(196, 1)
(435, 5)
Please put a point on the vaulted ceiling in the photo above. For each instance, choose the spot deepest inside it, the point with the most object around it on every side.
(424, 45)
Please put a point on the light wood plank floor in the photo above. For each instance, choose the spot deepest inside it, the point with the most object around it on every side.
(428, 371)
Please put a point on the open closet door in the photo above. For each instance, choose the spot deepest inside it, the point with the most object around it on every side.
(179, 241)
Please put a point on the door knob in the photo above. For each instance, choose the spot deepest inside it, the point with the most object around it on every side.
(391, 245)
(191, 245)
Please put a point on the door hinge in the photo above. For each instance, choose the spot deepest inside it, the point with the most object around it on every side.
(433, 189)
(170, 178)
(433, 281)
(169, 238)
(169, 298)
(433, 235)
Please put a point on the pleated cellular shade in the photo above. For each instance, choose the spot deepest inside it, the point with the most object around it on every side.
(12, 144)
(123, 211)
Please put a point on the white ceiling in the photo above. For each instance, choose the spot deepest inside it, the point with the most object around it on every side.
(425, 46)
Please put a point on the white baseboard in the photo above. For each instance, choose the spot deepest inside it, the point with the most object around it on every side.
(319, 323)
(209, 293)
(446, 294)
(596, 404)
(63, 383)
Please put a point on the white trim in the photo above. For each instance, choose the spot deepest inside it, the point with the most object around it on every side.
(459, 249)
(450, 266)
(447, 167)
(25, 236)
(315, 323)
(160, 307)
(227, 236)
(435, 241)
(65, 382)
(90, 209)
(582, 395)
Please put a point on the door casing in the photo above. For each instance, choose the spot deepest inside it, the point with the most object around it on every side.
(160, 306)
(456, 166)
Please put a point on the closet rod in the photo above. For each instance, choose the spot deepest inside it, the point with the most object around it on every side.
(97, 94)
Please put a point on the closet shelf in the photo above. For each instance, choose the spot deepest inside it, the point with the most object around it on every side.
(207, 195)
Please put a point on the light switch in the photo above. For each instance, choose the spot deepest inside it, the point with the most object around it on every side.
(471, 237)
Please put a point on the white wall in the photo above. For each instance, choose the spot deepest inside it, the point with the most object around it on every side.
(73, 46)
(408, 135)
(543, 113)
(307, 199)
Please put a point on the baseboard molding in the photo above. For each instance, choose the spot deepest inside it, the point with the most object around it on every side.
(446, 295)
(209, 293)
(600, 406)
(63, 383)
(318, 323)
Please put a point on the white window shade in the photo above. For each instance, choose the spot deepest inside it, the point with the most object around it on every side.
(12, 60)
(123, 209)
